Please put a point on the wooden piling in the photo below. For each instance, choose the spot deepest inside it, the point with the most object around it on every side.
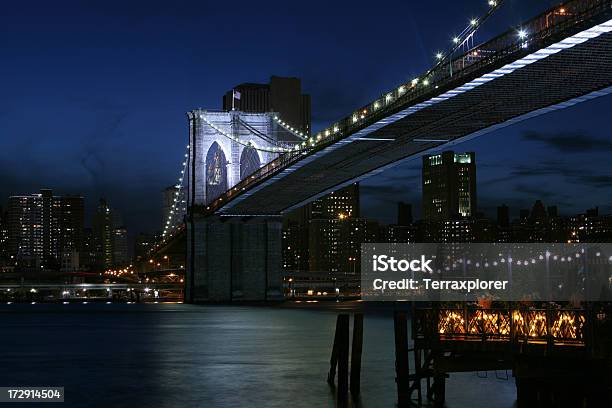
(343, 361)
(439, 387)
(401, 358)
(418, 371)
(340, 360)
(333, 361)
(356, 350)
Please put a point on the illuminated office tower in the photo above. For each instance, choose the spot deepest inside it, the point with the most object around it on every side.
(341, 204)
(45, 231)
(121, 256)
(109, 238)
(3, 234)
(311, 234)
(449, 186)
(103, 236)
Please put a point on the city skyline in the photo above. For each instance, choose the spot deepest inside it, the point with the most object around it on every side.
(122, 138)
(306, 203)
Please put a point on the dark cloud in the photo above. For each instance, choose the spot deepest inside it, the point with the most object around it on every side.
(97, 104)
(402, 174)
(333, 94)
(538, 192)
(570, 142)
(496, 180)
(572, 172)
(595, 180)
(94, 150)
(379, 202)
(387, 193)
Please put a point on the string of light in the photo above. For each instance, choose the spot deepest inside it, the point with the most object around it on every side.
(387, 99)
(467, 33)
(275, 149)
(290, 129)
(525, 262)
(422, 81)
(169, 226)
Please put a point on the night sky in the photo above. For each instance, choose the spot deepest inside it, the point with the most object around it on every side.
(93, 95)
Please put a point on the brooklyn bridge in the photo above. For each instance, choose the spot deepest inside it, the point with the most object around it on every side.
(243, 171)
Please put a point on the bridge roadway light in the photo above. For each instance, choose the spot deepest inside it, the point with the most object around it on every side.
(456, 40)
(439, 55)
(473, 21)
(522, 34)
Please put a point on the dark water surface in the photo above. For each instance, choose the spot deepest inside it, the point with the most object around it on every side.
(175, 355)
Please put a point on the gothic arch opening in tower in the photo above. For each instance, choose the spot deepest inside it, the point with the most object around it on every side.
(249, 161)
(216, 172)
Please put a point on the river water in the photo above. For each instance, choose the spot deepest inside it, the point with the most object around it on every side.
(175, 355)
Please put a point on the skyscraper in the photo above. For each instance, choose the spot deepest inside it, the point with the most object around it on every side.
(3, 235)
(404, 214)
(109, 238)
(103, 235)
(142, 244)
(88, 256)
(281, 95)
(503, 216)
(332, 237)
(341, 204)
(45, 231)
(538, 211)
(449, 186)
(311, 234)
(121, 256)
(335, 244)
(71, 224)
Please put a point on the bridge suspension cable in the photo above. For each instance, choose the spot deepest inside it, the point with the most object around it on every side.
(257, 133)
(467, 34)
(295, 132)
(275, 149)
(169, 226)
(391, 97)
(415, 85)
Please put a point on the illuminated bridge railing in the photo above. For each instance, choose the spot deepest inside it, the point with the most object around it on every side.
(554, 326)
(545, 29)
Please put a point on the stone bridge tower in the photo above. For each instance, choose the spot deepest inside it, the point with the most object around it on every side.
(230, 258)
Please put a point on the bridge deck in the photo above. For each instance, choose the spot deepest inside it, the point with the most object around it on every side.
(527, 81)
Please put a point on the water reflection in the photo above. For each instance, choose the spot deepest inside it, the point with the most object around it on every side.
(204, 356)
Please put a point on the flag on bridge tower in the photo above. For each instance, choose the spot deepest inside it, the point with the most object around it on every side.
(235, 95)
